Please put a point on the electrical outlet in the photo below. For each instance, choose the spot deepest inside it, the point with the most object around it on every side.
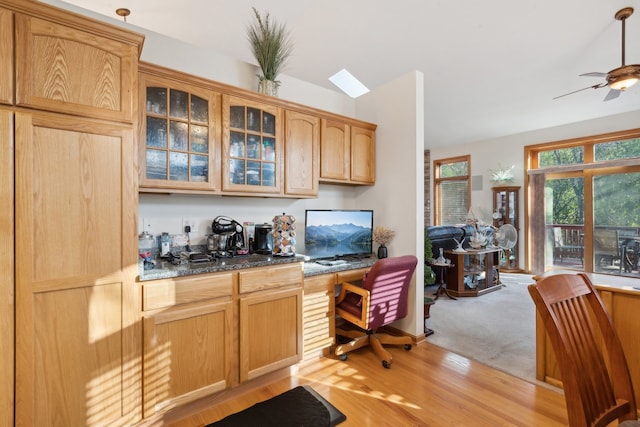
(146, 225)
(188, 223)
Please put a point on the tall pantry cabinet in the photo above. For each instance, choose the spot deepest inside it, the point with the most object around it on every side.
(71, 122)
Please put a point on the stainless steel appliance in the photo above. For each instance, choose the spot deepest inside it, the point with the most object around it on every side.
(263, 239)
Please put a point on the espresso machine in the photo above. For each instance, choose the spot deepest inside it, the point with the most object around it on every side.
(227, 237)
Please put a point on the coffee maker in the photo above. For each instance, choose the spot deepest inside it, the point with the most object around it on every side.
(227, 237)
(264, 240)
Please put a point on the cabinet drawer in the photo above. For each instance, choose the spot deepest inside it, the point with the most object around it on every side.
(324, 282)
(165, 293)
(271, 277)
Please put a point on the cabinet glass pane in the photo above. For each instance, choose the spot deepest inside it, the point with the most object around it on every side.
(253, 173)
(253, 147)
(178, 165)
(156, 132)
(178, 139)
(269, 174)
(199, 139)
(179, 104)
(269, 123)
(253, 119)
(237, 144)
(237, 117)
(236, 171)
(156, 164)
(199, 109)
(199, 168)
(268, 149)
(157, 100)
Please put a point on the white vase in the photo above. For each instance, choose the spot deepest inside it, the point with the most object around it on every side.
(268, 87)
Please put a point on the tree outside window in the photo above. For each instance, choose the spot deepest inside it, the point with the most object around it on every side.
(452, 185)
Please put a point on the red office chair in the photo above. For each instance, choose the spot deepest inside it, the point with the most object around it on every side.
(381, 300)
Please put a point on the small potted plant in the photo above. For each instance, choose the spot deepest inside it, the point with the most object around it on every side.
(271, 45)
(382, 236)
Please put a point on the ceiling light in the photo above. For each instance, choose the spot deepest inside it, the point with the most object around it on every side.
(623, 77)
(624, 83)
(345, 81)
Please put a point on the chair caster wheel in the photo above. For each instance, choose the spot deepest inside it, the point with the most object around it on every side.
(343, 357)
(386, 364)
(407, 347)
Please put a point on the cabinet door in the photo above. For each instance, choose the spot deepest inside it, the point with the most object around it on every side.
(7, 267)
(363, 161)
(178, 136)
(251, 146)
(82, 72)
(301, 154)
(335, 150)
(270, 331)
(77, 304)
(188, 353)
(6, 56)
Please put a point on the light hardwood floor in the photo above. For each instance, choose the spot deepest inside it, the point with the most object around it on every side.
(426, 386)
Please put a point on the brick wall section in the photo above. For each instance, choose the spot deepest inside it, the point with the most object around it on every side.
(427, 188)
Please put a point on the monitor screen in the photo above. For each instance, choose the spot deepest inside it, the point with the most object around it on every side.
(338, 233)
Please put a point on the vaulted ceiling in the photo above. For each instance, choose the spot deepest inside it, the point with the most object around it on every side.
(490, 68)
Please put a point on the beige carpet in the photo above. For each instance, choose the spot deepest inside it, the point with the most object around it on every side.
(497, 329)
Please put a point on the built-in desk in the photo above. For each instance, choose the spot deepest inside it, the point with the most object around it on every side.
(622, 299)
(318, 303)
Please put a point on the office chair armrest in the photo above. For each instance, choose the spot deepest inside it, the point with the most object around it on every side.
(349, 287)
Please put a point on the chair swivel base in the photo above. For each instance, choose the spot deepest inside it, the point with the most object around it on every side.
(375, 340)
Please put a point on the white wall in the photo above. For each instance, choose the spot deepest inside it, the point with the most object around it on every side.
(398, 196)
(509, 150)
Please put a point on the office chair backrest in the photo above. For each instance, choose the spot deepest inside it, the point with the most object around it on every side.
(597, 388)
(388, 282)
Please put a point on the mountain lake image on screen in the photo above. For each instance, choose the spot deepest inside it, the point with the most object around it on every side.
(334, 233)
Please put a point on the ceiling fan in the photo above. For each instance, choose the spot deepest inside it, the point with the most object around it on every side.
(621, 78)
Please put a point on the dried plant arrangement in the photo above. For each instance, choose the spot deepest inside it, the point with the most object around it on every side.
(383, 235)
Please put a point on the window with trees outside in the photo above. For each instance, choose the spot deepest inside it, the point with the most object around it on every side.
(452, 190)
(591, 202)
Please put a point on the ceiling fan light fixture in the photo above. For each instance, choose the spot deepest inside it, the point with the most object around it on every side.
(624, 83)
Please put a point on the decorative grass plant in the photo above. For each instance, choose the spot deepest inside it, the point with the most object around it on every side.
(271, 45)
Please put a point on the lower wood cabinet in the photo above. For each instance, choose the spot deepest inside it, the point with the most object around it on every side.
(270, 331)
(207, 333)
(188, 353)
(318, 315)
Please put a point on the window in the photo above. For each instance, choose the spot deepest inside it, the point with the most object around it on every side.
(452, 190)
(591, 193)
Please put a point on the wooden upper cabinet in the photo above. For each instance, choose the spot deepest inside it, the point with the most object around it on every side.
(6, 56)
(363, 151)
(347, 153)
(251, 146)
(302, 154)
(178, 148)
(87, 72)
(334, 150)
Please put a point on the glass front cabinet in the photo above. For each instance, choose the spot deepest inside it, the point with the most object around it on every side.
(251, 146)
(178, 128)
(506, 211)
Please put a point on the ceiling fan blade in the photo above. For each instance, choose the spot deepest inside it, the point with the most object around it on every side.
(613, 94)
(598, 86)
(594, 74)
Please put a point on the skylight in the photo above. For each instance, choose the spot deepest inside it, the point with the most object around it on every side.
(345, 81)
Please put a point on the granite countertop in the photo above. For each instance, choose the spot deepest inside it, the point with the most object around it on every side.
(166, 270)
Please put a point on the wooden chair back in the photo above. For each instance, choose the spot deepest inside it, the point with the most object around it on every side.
(594, 370)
